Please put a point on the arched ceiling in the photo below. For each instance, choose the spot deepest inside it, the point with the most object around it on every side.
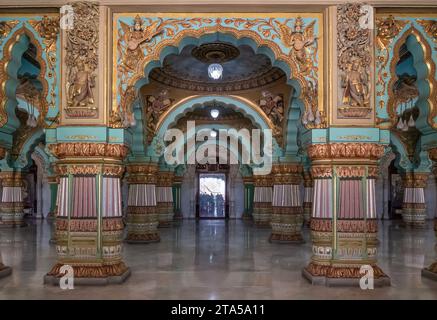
(242, 68)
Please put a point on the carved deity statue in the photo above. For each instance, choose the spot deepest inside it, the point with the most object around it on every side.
(355, 82)
(80, 90)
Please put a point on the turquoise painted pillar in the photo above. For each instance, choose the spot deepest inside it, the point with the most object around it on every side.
(248, 197)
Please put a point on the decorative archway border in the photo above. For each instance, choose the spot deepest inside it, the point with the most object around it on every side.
(431, 99)
(400, 27)
(271, 34)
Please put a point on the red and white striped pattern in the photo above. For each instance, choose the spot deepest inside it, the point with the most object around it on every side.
(164, 194)
(322, 198)
(308, 194)
(414, 195)
(371, 199)
(263, 194)
(142, 195)
(286, 195)
(111, 205)
(12, 194)
(84, 195)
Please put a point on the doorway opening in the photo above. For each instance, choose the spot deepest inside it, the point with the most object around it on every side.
(212, 197)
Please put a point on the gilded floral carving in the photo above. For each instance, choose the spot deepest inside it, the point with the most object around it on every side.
(6, 27)
(82, 61)
(354, 62)
(371, 151)
(155, 106)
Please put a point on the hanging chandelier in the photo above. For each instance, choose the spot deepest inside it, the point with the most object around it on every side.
(215, 71)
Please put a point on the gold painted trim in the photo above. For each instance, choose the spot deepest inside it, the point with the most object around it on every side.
(139, 72)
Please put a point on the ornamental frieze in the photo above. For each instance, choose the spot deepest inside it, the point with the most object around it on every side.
(88, 149)
(370, 151)
(88, 225)
(12, 179)
(105, 169)
(415, 180)
(165, 179)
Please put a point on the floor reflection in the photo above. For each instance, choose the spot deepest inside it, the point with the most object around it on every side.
(218, 259)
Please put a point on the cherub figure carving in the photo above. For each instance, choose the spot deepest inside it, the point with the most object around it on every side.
(155, 107)
(299, 40)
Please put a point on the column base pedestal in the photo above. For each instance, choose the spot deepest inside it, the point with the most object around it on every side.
(414, 218)
(430, 272)
(5, 271)
(13, 225)
(143, 238)
(342, 276)
(91, 275)
(246, 217)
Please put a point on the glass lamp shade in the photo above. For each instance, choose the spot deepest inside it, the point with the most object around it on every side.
(214, 113)
(215, 71)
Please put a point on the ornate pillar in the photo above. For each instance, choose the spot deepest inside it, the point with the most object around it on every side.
(177, 184)
(343, 222)
(89, 226)
(142, 215)
(307, 197)
(12, 205)
(4, 270)
(414, 206)
(164, 198)
(287, 217)
(262, 200)
(248, 198)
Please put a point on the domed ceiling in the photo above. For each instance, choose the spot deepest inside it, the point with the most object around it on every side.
(242, 68)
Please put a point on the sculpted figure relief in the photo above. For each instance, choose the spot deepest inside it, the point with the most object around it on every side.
(355, 84)
(155, 107)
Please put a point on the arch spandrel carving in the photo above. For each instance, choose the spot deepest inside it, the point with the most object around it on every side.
(292, 41)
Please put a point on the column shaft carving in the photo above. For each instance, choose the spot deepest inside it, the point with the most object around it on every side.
(164, 198)
(287, 217)
(414, 206)
(307, 197)
(142, 214)
(12, 199)
(262, 200)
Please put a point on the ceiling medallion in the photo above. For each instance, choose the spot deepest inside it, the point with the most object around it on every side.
(215, 52)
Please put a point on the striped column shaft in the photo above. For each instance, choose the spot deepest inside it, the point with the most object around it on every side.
(343, 222)
(142, 214)
(413, 205)
(307, 198)
(262, 201)
(287, 217)
(12, 205)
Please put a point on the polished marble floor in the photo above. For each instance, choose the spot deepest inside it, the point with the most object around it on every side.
(214, 259)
